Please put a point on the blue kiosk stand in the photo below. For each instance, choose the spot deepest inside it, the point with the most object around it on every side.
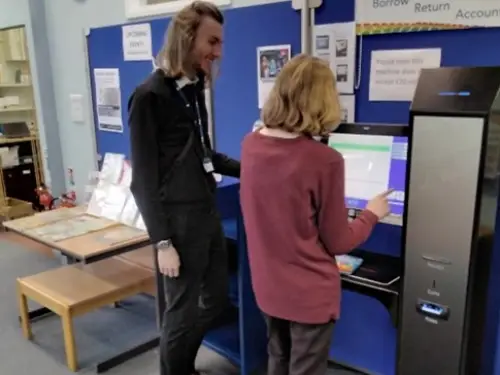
(242, 337)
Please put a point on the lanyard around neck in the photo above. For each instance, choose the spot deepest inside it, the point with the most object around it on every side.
(199, 122)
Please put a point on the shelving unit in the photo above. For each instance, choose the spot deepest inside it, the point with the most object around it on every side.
(22, 168)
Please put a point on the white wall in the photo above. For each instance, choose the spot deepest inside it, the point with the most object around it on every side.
(29, 13)
(17, 13)
(66, 21)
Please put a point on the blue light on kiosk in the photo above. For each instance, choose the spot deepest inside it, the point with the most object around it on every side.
(454, 93)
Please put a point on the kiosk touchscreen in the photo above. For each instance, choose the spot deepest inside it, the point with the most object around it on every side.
(375, 160)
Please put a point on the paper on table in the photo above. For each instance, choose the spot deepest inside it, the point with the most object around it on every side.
(139, 224)
(43, 218)
(112, 168)
(118, 235)
(98, 199)
(126, 178)
(73, 227)
(113, 204)
(130, 212)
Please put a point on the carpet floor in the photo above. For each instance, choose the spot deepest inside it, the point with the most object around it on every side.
(99, 335)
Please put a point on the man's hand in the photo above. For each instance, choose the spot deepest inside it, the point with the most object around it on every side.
(169, 262)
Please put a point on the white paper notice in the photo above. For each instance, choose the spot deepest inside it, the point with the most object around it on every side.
(270, 61)
(324, 45)
(394, 73)
(77, 108)
(108, 100)
(348, 108)
(137, 43)
(341, 52)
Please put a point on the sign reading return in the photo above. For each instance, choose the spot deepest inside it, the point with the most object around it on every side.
(386, 16)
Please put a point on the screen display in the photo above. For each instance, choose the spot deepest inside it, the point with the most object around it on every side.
(373, 164)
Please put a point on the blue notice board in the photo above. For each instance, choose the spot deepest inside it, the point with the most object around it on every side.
(365, 336)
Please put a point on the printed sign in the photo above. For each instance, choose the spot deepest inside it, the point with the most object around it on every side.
(394, 16)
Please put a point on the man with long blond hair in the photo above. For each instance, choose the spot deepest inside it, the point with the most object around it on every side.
(173, 183)
(292, 196)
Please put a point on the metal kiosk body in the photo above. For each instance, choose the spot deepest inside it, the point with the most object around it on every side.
(451, 204)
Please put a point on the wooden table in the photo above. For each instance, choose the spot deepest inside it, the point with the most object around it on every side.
(85, 249)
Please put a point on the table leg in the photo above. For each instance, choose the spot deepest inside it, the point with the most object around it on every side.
(129, 354)
(69, 341)
(40, 313)
(23, 308)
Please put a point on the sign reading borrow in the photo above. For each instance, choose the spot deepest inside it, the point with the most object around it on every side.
(392, 16)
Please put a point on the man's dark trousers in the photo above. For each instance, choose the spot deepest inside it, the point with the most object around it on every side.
(200, 294)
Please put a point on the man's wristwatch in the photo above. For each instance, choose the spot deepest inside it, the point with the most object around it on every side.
(164, 245)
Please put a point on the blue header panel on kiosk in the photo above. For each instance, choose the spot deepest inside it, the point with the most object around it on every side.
(375, 161)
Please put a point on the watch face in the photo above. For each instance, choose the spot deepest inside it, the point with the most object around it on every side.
(164, 244)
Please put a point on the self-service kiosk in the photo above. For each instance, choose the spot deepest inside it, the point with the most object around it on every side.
(451, 202)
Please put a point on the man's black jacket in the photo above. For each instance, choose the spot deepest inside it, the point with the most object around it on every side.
(160, 130)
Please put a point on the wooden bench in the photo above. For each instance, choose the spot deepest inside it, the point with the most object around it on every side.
(144, 258)
(74, 290)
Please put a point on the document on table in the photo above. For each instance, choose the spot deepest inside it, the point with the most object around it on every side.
(126, 176)
(97, 200)
(118, 235)
(114, 202)
(63, 230)
(112, 168)
(130, 212)
(45, 217)
(139, 224)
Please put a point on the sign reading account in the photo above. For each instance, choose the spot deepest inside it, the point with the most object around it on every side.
(410, 15)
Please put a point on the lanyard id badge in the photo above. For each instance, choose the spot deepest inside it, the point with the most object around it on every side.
(207, 165)
(207, 161)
